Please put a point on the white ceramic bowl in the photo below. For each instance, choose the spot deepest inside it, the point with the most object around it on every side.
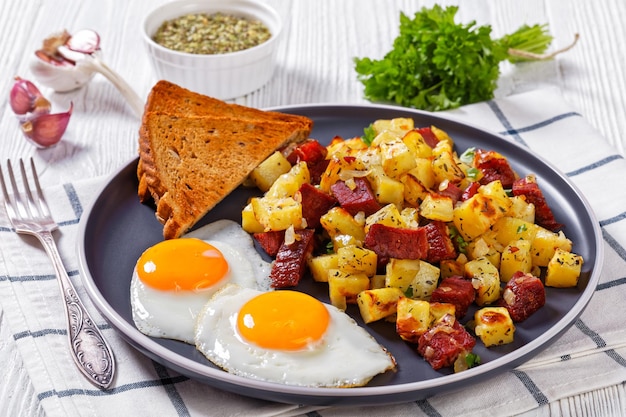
(223, 76)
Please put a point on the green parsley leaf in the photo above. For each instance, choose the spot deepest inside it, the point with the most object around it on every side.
(472, 174)
(368, 134)
(458, 240)
(472, 360)
(409, 292)
(437, 64)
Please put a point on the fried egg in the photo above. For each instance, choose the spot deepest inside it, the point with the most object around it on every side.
(287, 337)
(173, 279)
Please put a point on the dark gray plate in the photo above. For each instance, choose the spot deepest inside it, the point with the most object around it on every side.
(117, 229)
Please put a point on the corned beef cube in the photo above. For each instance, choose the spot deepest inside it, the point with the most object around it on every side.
(270, 241)
(455, 290)
(393, 242)
(290, 263)
(315, 203)
(440, 245)
(361, 198)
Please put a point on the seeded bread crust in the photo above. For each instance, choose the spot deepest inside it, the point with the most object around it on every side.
(195, 150)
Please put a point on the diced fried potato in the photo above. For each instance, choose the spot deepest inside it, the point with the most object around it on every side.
(400, 273)
(494, 326)
(337, 221)
(343, 287)
(485, 279)
(414, 190)
(474, 216)
(509, 229)
(341, 241)
(442, 135)
(439, 310)
(277, 213)
(416, 278)
(386, 189)
(339, 147)
(357, 259)
(442, 147)
(377, 281)
(287, 184)
(446, 168)
(388, 215)
(437, 207)
(376, 304)
(564, 269)
(398, 125)
(417, 145)
(451, 267)
(320, 265)
(521, 209)
(485, 246)
(335, 167)
(385, 136)
(423, 171)
(515, 257)
(268, 171)
(410, 217)
(249, 223)
(495, 192)
(396, 158)
(545, 244)
(425, 281)
(412, 318)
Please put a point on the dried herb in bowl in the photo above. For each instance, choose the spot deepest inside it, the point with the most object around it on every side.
(218, 33)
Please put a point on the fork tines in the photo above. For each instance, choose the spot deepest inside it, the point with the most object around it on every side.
(16, 206)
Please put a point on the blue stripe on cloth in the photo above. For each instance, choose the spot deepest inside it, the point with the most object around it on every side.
(427, 408)
(505, 122)
(613, 219)
(595, 165)
(45, 332)
(614, 244)
(611, 353)
(531, 387)
(172, 392)
(35, 278)
(74, 200)
(539, 125)
(611, 284)
(597, 339)
(115, 390)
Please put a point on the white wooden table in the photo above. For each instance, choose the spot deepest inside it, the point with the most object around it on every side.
(315, 66)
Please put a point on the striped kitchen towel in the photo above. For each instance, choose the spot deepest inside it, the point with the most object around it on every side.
(590, 355)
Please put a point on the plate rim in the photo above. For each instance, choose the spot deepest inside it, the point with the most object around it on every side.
(384, 394)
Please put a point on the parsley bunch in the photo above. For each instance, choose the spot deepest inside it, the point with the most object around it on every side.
(438, 64)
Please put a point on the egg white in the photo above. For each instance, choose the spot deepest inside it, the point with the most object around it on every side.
(172, 314)
(348, 355)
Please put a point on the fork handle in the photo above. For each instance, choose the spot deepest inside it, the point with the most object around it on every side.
(90, 350)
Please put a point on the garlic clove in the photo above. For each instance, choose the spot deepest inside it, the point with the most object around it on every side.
(85, 41)
(25, 98)
(47, 129)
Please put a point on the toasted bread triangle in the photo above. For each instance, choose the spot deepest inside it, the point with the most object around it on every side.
(190, 159)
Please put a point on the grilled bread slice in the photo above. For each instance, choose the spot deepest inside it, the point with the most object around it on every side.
(189, 163)
(173, 99)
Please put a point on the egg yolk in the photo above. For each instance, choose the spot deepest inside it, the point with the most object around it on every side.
(283, 320)
(182, 265)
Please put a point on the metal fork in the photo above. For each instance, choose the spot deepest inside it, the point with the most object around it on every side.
(29, 214)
